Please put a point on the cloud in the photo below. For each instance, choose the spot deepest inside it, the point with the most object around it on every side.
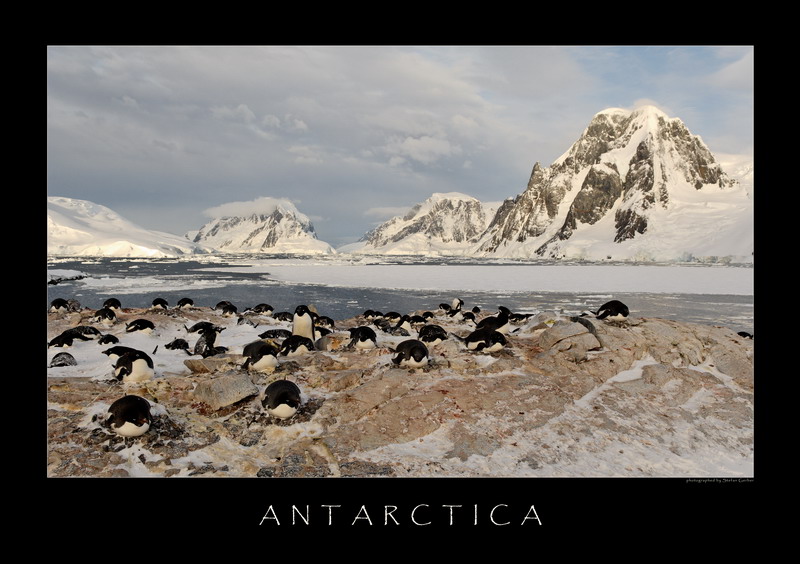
(425, 149)
(264, 205)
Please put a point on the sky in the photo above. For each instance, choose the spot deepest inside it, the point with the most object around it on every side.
(354, 135)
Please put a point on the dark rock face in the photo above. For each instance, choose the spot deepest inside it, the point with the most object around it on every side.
(665, 154)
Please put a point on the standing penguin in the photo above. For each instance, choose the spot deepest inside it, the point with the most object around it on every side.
(282, 399)
(129, 416)
(303, 323)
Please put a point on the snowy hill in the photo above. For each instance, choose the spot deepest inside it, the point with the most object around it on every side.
(444, 224)
(635, 186)
(269, 226)
(82, 228)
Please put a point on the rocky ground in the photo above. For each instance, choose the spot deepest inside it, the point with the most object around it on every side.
(651, 397)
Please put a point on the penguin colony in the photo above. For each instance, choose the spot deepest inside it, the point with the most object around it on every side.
(408, 338)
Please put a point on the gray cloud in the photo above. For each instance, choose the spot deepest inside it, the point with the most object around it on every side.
(345, 130)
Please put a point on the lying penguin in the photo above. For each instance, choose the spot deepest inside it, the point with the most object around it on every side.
(411, 353)
(134, 366)
(281, 399)
(129, 416)
(362, 338)
(261, 356)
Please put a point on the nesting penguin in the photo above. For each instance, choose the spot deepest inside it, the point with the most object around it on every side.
(303, 323)
(614, 310)
(261, 309)
(112, 303)
(261, 356)
(282, 399)
(142, 325)
(486, 339)
(432, 334)
(411, 353)
(105, 315)
(134, 366)
(362, 338)
(160, 303)
(129, 416)
(499, 323)
(185, 302)
(63, 359)
(115, 352)
(296, 345)
(59, 305)
(178, 345)
(108, 339)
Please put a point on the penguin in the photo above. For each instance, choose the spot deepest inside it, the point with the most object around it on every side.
(84, 332)
(282, 399)
(468, 316)
(322, 331)
(61, 340)
(296, 345)
(66, 338)
(105, 315)
(476, 310)
(229, 310)
(59, 305)
(160, 303)
(745, 334)
(206, 344)
(63, 359)
(283, 316)
(112, 303)
(276, 334)
(129, 416)
(497, 323)
(222, 304)
(372, 315)
(261, 356)
(392, 317)
(107, 340)
(303, 323)
(143, 325)
(403, 327)
(201, 326)
(134, 367)
(614, 310)
(185, 302)
(382, 324)
(177, 345)
(242, 320)
(444, 307)
(427, 315)
(411, 353)
(455, 309)
(486, 339)
(325, 322)
(261, 309)
(432, 334)
(362, 338)
(417, 321)
(586, 323)
(115, 352)
(519, 317)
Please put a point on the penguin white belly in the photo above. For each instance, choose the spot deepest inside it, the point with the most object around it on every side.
(365, 344)
(300, 350)
(265, 363)
(140, 371)
(618, 317)
(493, 348)
(303, 326)
(129, 429)
(283, 411)
(412, 363)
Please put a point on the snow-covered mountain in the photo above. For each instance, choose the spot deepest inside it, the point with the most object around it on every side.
(275, 227)
(82, 228)
(444, 224)
(637, 185)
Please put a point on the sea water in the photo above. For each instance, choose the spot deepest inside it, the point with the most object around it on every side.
(207, 281)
